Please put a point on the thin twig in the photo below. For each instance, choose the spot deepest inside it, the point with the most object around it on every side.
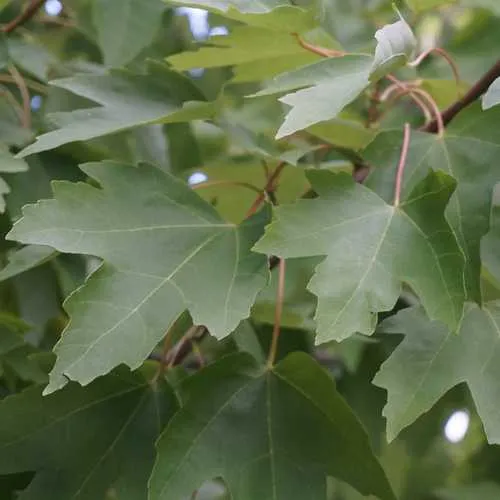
(280, 295)
(25, 95)
(402, 163)
(23, 17)
(398, 93)
(474, 93)
(9, 96)
(444, 55)
(269, 188)
(38, 87)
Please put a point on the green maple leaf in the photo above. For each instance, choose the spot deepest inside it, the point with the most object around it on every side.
(164, 250)
(336, 82)
(371, 248)
(126, 100)
(272, 435)
(81, 442)
(468, 152)
(431, 360)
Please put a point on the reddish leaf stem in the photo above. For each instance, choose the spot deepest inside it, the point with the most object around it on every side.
(280, 295)
(402, 163)
(444, 55)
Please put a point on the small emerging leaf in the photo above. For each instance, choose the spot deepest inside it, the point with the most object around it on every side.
(396, 45)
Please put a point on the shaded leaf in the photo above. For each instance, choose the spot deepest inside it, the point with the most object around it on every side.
(469, 152)
(371, 248)
(8, 165)
(158, 260)
(25, 259)
(116, 20)
(432, 359)
(82, 441)
(484, 491)
(275, 435)
(127, 100)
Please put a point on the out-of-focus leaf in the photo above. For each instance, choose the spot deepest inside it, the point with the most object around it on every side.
(25, 259)
(127, 100)
(8, 165)
(121, 32)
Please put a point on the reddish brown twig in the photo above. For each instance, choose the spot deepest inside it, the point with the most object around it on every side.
(24, 16)
(474, 93)
(269, 189)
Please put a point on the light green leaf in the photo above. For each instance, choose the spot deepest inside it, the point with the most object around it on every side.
(245, 44)
(322, 102)
(276, 434)
(159, 242)
(25, 259)
(325, 71)
(492, 96)
(81, 442)
(127, 100)
(371, 248)
(431, 360)
(121, 32)
(396, 44)
(471, 144)
(277, 15)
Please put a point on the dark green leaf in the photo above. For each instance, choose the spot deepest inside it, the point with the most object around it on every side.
(84, 441)
(272, 435)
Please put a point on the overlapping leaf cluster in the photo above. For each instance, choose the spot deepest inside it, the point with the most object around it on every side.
(305, 177)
